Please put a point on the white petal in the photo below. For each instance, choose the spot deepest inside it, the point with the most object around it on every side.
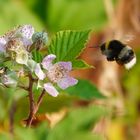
(67, 82)
(47, 61)
(2, 44)
(22, 57)
(26, 31)
(27, 42)
(39, 73)
(66, 65)
(51, 89)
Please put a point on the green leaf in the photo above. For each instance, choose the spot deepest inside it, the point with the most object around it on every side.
(78, 123)
(67, 45)
(80, 64)
(37, 56)
(85, 90)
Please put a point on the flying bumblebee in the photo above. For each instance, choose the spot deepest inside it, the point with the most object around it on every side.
(115, 50)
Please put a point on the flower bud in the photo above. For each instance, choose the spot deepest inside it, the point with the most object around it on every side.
(40, 37)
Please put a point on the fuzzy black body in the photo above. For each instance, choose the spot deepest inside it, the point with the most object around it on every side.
(117, 51)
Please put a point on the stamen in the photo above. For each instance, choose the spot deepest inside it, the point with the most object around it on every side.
(56, 72)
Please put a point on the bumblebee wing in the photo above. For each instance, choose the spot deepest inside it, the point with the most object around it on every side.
(125, 38)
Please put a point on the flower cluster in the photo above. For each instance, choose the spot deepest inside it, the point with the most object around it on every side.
(16, 47)
(15, 43)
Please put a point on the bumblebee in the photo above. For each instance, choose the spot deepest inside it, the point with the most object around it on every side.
(115, 50)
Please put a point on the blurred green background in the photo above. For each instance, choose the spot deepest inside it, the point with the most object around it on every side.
(53, 16)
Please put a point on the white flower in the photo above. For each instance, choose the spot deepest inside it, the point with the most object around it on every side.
(56, 73)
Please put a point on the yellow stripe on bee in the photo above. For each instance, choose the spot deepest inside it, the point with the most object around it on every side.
(107, 45)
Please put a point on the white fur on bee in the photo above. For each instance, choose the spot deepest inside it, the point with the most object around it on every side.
(130, 64)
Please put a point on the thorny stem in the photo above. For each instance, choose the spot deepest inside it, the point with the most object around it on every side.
(33, 106)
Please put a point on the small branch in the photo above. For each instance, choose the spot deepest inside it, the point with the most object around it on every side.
(23, 87)
(39, 101)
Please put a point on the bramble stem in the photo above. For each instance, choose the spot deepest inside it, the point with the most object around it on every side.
(31, 101)
(33, 106)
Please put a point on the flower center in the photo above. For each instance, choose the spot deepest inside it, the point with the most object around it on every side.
(56, 73)
(14, 45)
